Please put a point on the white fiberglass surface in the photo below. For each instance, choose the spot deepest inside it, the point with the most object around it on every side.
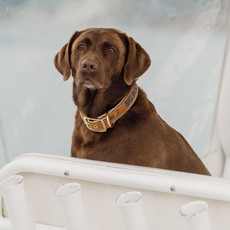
(185, 40)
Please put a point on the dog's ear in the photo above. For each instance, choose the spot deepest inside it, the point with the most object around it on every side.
(138, 61)
(62, 60)
(62, 63)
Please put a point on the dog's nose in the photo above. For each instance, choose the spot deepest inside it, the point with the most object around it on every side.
(89, 65)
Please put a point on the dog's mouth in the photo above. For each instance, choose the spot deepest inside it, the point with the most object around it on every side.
(90, 84)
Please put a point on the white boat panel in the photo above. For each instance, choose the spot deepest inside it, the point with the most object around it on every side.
(164, 192)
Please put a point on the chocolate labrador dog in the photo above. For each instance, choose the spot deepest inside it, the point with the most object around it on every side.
(115, 122)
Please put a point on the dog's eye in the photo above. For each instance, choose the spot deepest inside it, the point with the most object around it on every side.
(80, 47)
(112, 50)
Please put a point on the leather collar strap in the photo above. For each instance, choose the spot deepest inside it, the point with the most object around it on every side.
(107, 120)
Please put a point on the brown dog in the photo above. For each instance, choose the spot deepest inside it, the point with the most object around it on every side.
(115, 121)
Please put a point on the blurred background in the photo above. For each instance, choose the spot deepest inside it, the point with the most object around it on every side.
(185, 39)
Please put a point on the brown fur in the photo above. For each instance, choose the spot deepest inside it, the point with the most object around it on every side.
(105, 64)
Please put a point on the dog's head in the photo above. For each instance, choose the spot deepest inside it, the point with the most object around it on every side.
(96, 57)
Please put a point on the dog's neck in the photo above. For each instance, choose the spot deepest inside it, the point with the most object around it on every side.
(93, 103)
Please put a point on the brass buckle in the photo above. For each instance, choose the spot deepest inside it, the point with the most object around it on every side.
(90, 121)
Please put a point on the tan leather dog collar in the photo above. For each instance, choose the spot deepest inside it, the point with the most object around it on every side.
(107, 120)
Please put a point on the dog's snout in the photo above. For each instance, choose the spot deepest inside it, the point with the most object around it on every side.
(89, 65)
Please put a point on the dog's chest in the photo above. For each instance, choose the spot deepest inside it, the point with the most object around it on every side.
(99, 146)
